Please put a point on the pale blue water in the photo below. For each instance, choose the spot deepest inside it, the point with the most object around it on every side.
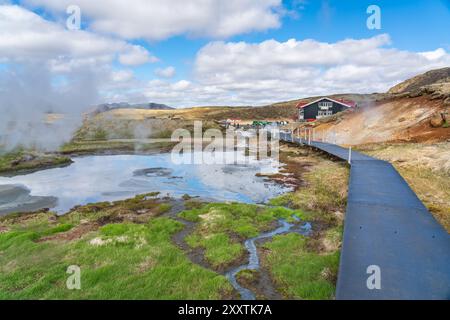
(108, 178)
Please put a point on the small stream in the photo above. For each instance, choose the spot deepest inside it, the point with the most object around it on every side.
(253, 263)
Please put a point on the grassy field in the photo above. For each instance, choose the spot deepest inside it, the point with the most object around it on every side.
(124, 251)
(222, 228)
(306, 267)
(111, 146)
(138, 124)
(300, 272)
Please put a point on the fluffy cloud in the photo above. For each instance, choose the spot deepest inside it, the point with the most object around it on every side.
(136, 56)
(168, 72)
(161, 19)
(224, 73)
(269, 71)
(229, 73)
(27, 37)
(122, 75)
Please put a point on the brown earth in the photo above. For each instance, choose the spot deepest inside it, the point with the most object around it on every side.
(397, 119)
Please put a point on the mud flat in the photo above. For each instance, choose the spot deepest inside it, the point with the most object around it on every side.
(17, 198)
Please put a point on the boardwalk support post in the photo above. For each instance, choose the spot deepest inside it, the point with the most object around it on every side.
(350, 155)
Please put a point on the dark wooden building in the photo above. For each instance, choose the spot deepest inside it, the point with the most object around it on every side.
(322, 107)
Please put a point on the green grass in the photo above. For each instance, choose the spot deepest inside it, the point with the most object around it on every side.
(132, 256)
(135, 261)
(22, 160)
(300, 273)
(92, 146)
(247, 275)
(219, 249)
(59, 228)
(325, 193)
(222, 227)
(100, 134)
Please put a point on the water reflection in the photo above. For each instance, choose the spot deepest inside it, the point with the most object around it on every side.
(108, 178)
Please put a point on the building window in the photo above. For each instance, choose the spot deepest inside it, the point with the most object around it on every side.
(325, 105)
(301, 114)
(323, 113)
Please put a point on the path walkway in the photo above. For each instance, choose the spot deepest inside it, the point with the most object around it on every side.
(388, 227)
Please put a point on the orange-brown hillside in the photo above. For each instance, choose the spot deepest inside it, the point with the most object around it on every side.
(416, 110)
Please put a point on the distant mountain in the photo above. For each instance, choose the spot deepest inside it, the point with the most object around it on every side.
(124, 105)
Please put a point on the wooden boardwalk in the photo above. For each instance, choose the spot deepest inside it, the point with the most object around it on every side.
(387, 229)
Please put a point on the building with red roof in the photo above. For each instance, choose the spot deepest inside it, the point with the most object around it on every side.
(323, 107)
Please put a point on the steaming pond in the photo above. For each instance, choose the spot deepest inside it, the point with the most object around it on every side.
(108, 178)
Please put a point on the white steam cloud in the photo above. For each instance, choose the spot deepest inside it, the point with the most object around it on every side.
(40, 110)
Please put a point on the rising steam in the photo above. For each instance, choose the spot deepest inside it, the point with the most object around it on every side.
(41, 110)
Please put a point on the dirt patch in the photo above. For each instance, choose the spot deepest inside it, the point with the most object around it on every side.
(27, 217)
(393, 119)
(76, 233)
(296, 162)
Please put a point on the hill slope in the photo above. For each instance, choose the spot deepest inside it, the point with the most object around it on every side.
(416, 110)
(430, 78)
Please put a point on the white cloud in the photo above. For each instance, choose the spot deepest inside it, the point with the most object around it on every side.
(161, 19)
(229, 73)
(257, 73)
(168, 72)
(224, 73)
(122, 75)
(27, 37)
(181, 85)
(434, 55)
(136, 56)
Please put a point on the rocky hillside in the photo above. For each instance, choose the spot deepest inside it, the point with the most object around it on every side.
(416, 110)
(435, 83)
(428, 78)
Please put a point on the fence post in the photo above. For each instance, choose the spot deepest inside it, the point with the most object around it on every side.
(309, 136)
(350, 155)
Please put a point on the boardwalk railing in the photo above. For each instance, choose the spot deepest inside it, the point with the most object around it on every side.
(392, 248)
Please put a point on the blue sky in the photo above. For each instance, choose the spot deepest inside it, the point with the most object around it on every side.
(205, 53)
(414, 25)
